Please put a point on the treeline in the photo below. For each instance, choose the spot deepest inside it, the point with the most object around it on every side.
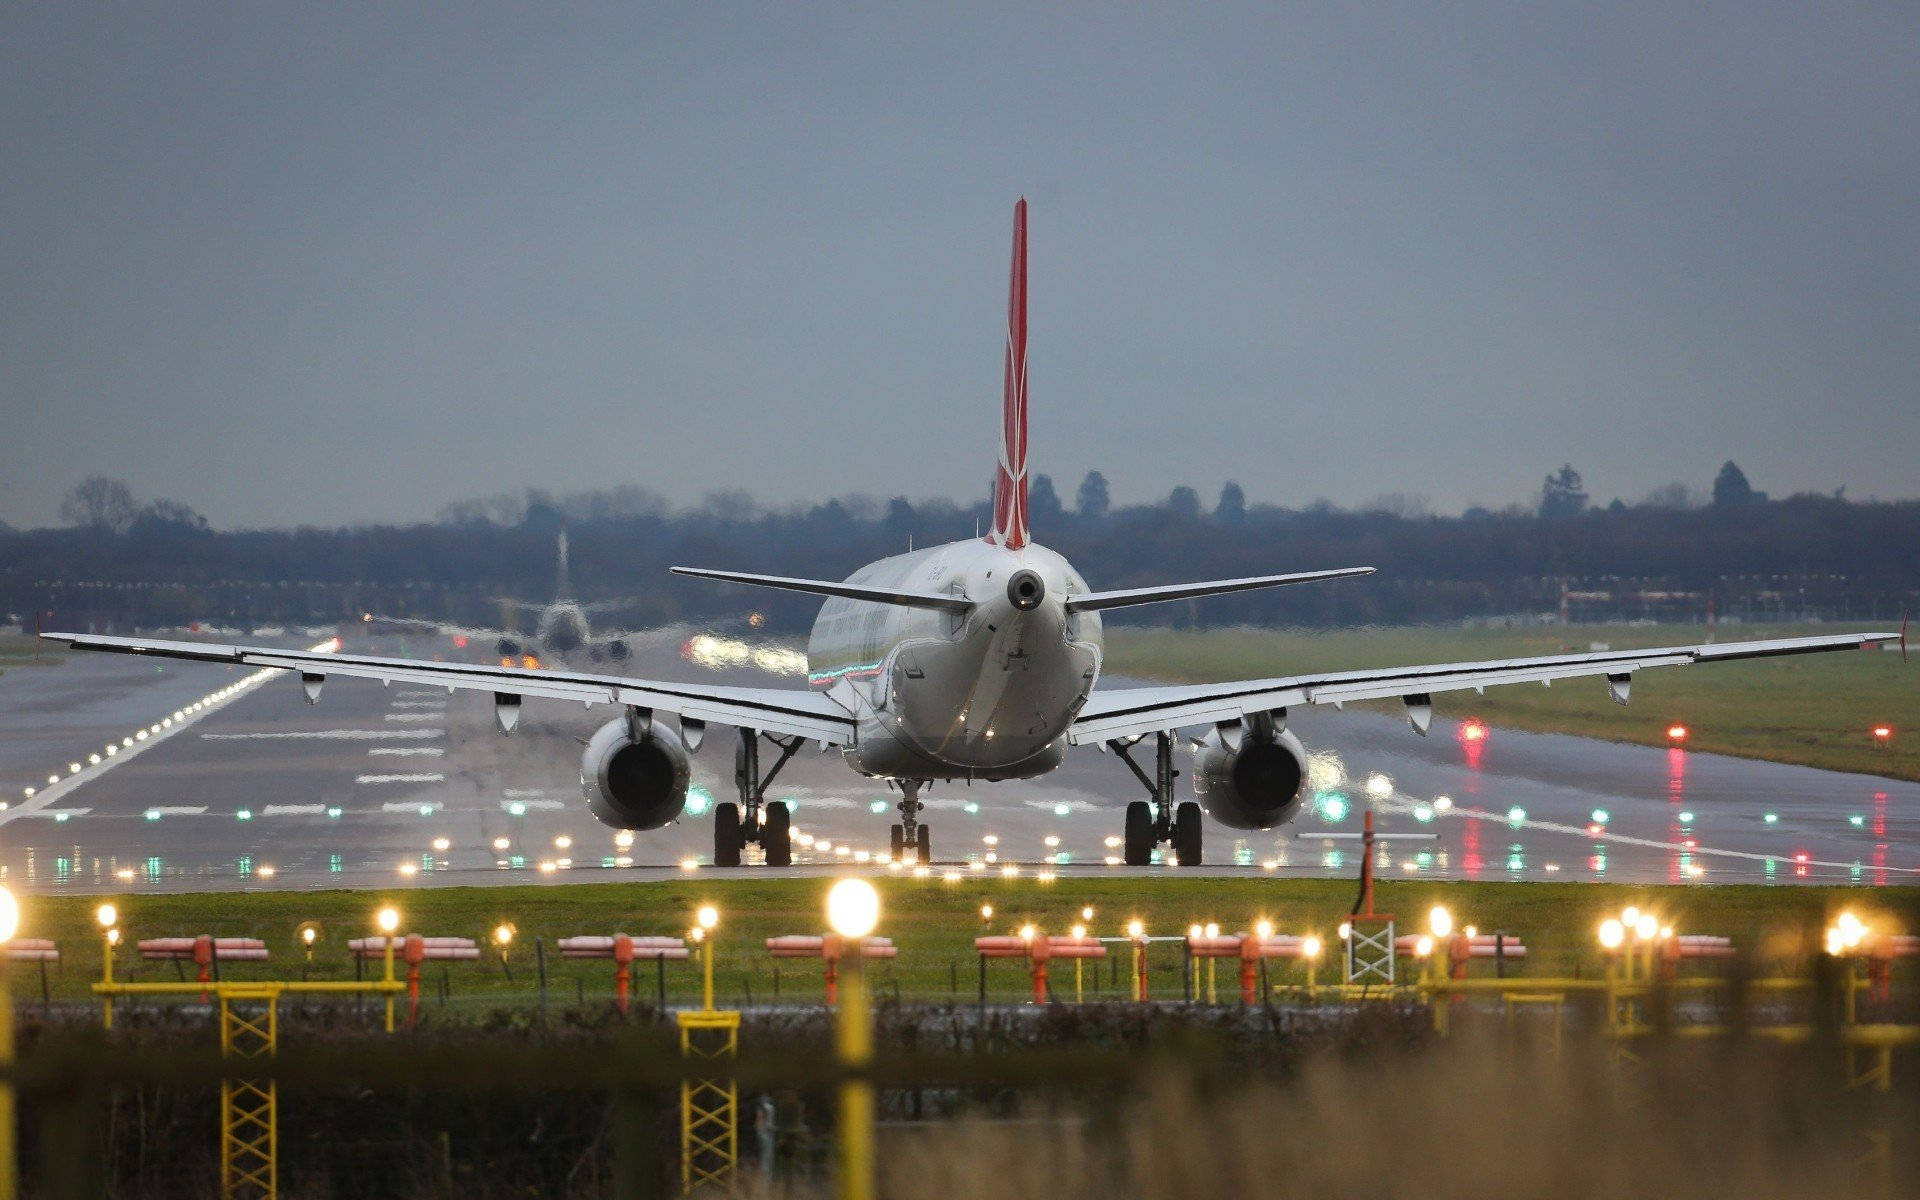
(1799, 557)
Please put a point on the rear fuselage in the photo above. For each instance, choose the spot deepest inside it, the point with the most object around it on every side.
(944, 695)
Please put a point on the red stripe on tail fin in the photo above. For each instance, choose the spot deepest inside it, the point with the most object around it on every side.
(1010, 480)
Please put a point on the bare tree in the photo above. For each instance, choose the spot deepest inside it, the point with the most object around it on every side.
(98, 502)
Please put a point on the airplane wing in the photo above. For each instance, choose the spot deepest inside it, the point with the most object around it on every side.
(1131, 712)
(785, 711)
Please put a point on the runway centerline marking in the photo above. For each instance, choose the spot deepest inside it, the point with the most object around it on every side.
(420, 778)
(293, 810)
(408, 751)
(416, 716)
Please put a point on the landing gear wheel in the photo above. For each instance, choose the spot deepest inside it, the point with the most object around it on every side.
(727, 838)
(1186, 834)
(1139, 842)
(923, 845)
(776, 835)
(896, 842)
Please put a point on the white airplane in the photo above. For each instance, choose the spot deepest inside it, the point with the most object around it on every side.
(974, 660)
(560, 632)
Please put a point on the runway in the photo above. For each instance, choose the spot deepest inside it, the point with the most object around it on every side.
(409, 786)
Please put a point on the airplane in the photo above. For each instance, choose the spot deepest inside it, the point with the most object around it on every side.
(561, 631)
(974, 660)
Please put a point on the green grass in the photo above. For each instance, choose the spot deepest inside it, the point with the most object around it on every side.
(932, 922)
(19, 651)
(1814, 710)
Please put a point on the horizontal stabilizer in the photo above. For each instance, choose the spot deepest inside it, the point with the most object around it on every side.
(848, 591)
(1186, 591)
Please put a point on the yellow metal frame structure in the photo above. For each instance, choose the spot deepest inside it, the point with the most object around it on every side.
(709, 1103)
(249, 1028)
(249, 1109)
(1370, 952)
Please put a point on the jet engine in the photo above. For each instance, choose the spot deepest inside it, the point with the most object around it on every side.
(633, 784)
(1250, 778)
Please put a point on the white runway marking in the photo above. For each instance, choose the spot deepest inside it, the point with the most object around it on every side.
(155, 734)
(523, 793)
(58, 814)
(508, 804)
(441, 703)
(435, 778)
(325, 735)
(409, 751)
(175, 810)
(416, 716)
(293, 810)
(419, 692)
(424, 809)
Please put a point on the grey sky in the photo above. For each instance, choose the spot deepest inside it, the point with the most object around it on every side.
(320, 263)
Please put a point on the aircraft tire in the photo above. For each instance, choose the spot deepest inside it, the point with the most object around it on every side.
(726, 834)
(1139, 840)
(776, 835)
(923, 845)
(1186, 834)
(896, 842)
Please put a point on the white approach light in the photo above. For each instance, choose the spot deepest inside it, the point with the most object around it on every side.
(1379, 786)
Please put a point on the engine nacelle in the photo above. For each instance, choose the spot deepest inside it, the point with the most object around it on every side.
(1257, 786)
(635, 785)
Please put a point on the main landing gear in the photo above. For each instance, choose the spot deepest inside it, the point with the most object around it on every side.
(1152, 823)
(910, 836)
(753, 820)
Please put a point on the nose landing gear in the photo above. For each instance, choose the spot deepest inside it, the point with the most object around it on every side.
(910, 836)
(770, 825)
(1159, 821)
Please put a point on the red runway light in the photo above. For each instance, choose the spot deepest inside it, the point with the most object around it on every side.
(1676, 733)
(1472, 730)
(1882, 732)
(460, 640)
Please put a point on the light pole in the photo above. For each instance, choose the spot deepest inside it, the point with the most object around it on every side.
(1137, 934)
(388, 921)
(108, 916)
(853, 909)
(1079, 931)
(1212, 931)
(503, 938)
(704, 921)
(9, 1168)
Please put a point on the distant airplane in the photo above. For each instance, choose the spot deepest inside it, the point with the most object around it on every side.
(973, 660)
(561, 631)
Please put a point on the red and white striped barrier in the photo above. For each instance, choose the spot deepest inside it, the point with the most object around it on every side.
(429, 949)
(33, 950)
(203, 949)
(1250, 949)
(414, 950)
(830, 949)
(623, 949)
(1037, 951)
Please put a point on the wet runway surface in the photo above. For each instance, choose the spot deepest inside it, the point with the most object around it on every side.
(413, 786)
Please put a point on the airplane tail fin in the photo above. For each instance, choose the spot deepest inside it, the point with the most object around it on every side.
(562, 585)
(1010, 480)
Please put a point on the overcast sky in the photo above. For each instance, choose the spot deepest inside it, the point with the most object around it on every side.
(320, 263)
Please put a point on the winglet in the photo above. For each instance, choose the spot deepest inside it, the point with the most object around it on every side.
(1010, 479)
(1903, 638)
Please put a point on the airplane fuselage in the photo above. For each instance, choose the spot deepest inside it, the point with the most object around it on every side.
(943, 695)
